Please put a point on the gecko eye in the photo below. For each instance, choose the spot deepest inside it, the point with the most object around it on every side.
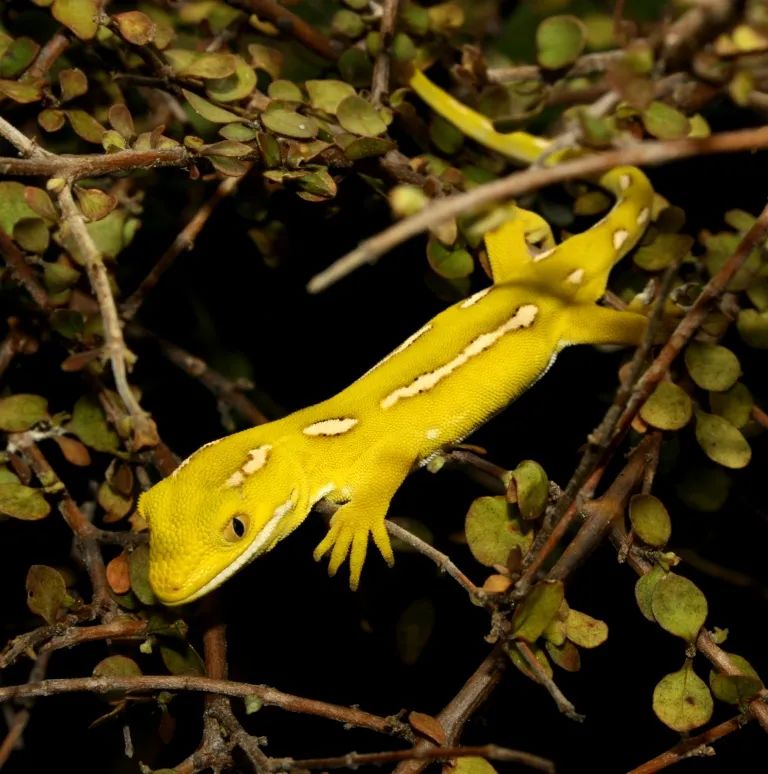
(236, 527)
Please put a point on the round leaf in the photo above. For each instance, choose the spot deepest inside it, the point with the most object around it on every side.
(532, 489)
(73, 83)
(32, 235)
(644, 589)
(664, 121)
(136, 27)
(472, 765)
(447, 262)
(669, 407)
(665, 250)
(22, 411)
(537, 610)
(682, 701)
(358, 116)
(290, 123)
(721, 441)
(566, 656)
(650, 520)
(79, 15)
(736, 689)
(678, 606)
(734, 405)
(712, 366)
(89, 424)
(559, 41)
(236, 86)
(22, 502)
(327, 95)
(491, 533)
(753, 328)
(585, 631)
(46, 592)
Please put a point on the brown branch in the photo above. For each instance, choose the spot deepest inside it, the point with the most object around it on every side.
(294, 25)
(184, 240)
(48, 55)
(759, 416)
(464, 704)
(269, 696)
(691, 747)
(381, 67)
(22, 271)
(588, 64)
(640, 154)
(354, 760)
(224, 389)
(143, 431)
(74, 167)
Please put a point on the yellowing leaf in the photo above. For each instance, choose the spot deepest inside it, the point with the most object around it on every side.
(584, 630)
(665, 250)
(85, 125)
(136, 27)
(532, 489)
(46, 592)
(79, 15)
(22, 411)
(644, 589)
(358, 116)
(664, 121)
(712, 366)
(22, 502)
(327, 95)
(290, 123)
(207, 110)
(89, 424)
(682, 701)
(650, 520)
(234, 87)
(736, 689)
(669, 407)
(73, 83)
(721, 441)
(733, 405)
(95, 204)
(678, 606)
(559, 41)
(537, 610)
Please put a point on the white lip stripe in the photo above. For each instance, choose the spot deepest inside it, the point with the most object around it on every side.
(186, 462)
(522, 318)
(331, 426)
(475, 297)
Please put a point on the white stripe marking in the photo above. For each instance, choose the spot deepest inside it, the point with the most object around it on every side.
(475, 297)
(624, 182)
(642, 216)
(402, 347)
(541, 256)
(619, 237)
(256, 460)
(433, 434)
(330, 426)
(575, 277)
(522, 318)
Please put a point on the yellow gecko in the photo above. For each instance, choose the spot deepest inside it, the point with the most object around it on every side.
(236, 497)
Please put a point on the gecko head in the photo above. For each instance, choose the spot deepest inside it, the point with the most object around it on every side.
(218, 511)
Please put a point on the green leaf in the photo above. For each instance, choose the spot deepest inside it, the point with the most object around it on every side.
(414, 628)
(445, 136)
(182, 660)
(193, 64)
(559, 41)
(290, 123)
(355, 67)
(665, 250)
(22, 92)
(492, 531)
(585, 631)
(327, 95)
(136, 27)
(721, 441)
(32, 235)
(229, 148)
(447, 262)
(644, 589)
(22, 411)
(89, 424)
(678, 606)
(664, 121)
(207, 110)
(78, 15)
(682, 701)
(85, 125)
(753, 328)
(347, 24)
(472, 765)
(13, 205)
(669, 407)
(22, 502)
(46, 592)
(73, 83)
(234, 87)
(736, 689)
(358, 116)
(138, 563)
(650, 520)
(712, 366)
(252, 704)
(532, 489)
(733, 405)
(365, 147)
(284, 91)
(522, 664)
(239, 132)
(566, 656)
(117, 666)
(18, 57)
(537, 610)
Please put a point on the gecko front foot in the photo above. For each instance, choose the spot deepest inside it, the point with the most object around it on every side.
(348, 535)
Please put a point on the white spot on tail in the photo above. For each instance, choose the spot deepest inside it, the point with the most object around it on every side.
(619, 237)
(330, 427)
(186, 462)
(575, 277)
(624, 182)
(544, 254)
(642, 216)
(474, 298)
(433, 433)
(522, 318)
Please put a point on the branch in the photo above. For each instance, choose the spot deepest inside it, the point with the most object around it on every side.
(645, 153)
(147, 683)
(381, 67)
(21, 270)
(144, 432)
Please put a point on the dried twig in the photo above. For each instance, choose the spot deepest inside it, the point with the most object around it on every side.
(380, 79)
(641, 154)
(21, 270)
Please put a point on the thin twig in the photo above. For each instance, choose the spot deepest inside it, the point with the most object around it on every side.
(381, 67)
(22, 271)
(48, 55)
(19, 140)
(144, 432)
(149, 683)
(184, 240)
(640, 154)
(563, 704)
